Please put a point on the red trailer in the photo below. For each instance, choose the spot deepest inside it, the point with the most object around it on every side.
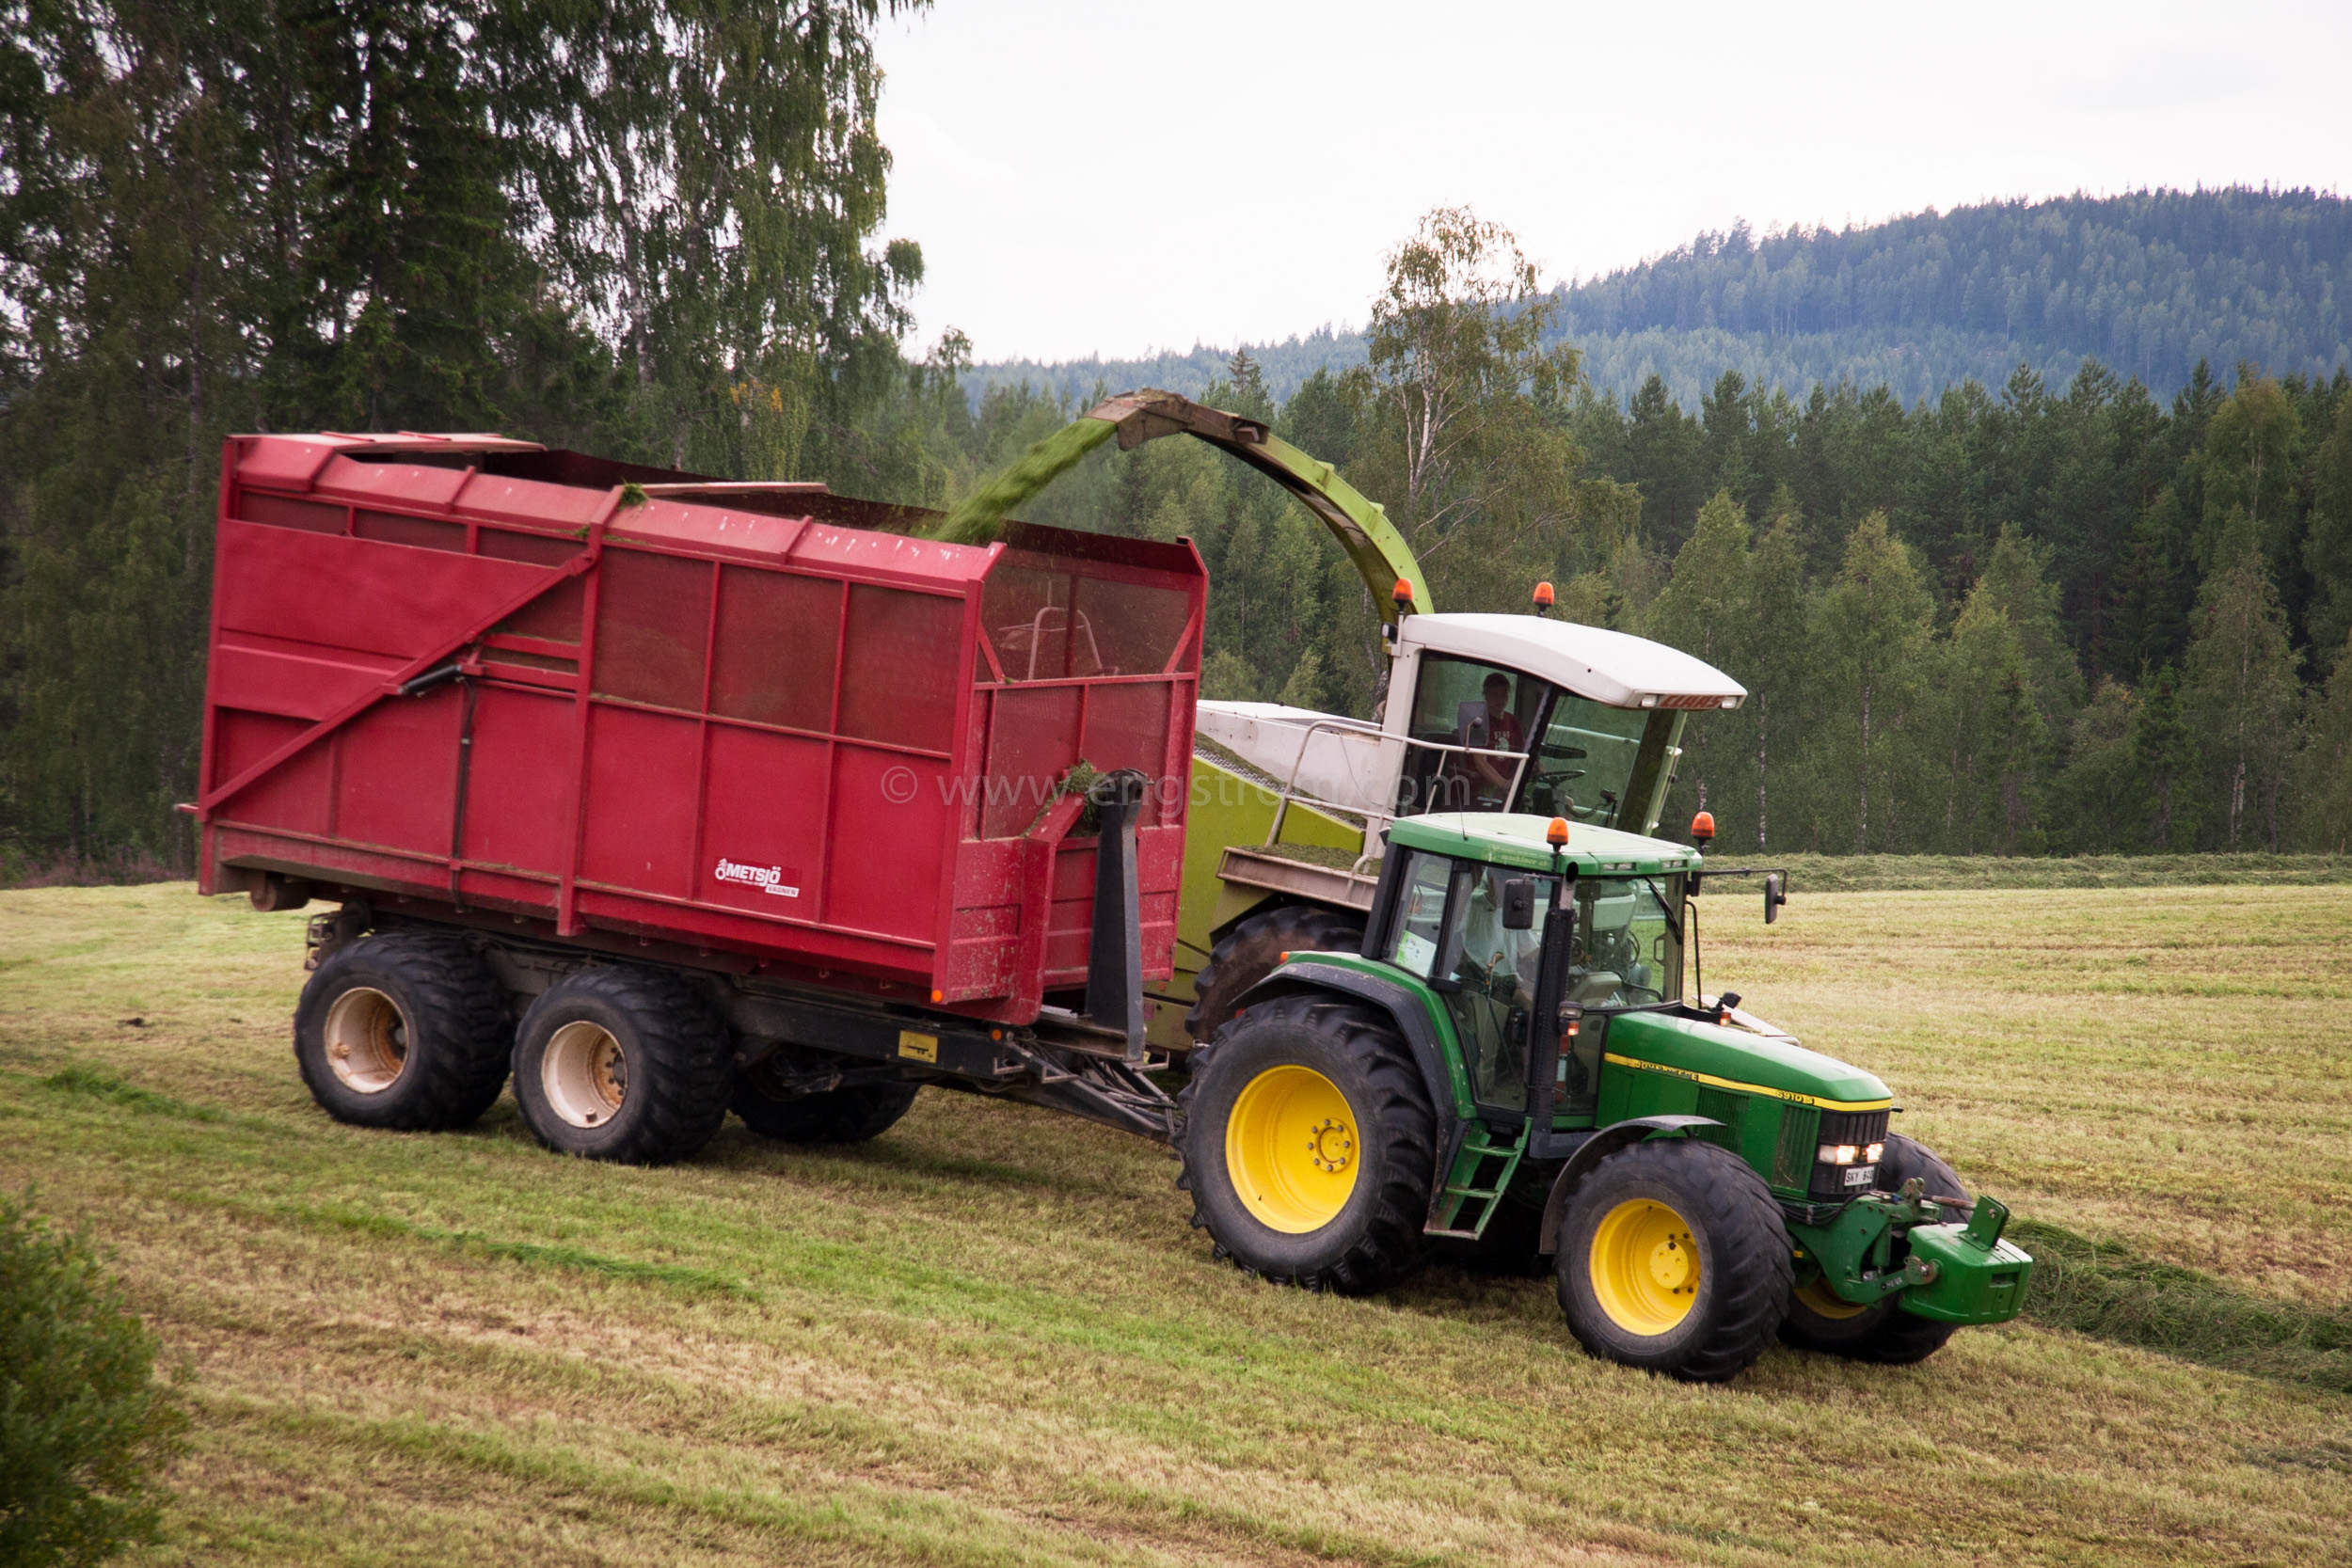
(551, 720)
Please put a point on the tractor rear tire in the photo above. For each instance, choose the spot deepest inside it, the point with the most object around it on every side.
(1253, 949)
(851, 1114)
(622, 1065)
(1884, 1334)
(1308, 1145)
(1673, 1257)
(405, 1029)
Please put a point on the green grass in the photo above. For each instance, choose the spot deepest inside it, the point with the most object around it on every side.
(989, 1337)
(2116, 1293)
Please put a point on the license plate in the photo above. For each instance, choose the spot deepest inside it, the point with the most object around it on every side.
(1861, 1176)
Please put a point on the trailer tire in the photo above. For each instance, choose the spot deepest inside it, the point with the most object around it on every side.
(404, 1030)
(1884, 1334)
(1253, 949)
(1674, 1258)
(1335, 1077)
(843, 1116)
(621, 1065)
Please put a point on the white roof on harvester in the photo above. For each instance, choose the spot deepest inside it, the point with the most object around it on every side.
(1609, 667)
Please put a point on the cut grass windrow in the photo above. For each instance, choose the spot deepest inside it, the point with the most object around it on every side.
(2113, 1293)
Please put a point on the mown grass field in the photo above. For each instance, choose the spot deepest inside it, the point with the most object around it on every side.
(991, 1337)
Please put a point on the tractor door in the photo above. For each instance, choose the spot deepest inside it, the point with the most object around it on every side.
(1449, 930)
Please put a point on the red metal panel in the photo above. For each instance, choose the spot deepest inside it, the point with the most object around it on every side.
(676, 523)
(298, 796)
(299, 680)
(640, 818)
(518, 785)
(890, 822)
(410, 486)
(497, 498)
(1070, 920)
(890, 557)
(396, 773)
(282, 462)
(763, 827)
(353, 592)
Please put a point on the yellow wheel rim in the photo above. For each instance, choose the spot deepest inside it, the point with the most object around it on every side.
(1823, 1302)
(1645, 1269)
(1291, 1149)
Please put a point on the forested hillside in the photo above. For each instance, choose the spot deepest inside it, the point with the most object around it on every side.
(2032, 614)
(2148, 284)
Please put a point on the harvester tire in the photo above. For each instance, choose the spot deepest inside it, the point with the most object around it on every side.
(1308, 1145)
(845, 1116)
(1673, 1257)
(404, 1030)
(1253, 949)
(1886, 1333)
(622, 1065)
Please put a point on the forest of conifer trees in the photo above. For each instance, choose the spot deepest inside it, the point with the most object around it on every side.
(2030, 619)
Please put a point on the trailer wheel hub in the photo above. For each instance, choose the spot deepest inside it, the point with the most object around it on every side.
(367, 1041)
(1645, 1268)
(1290, 1148)
(585, 1073)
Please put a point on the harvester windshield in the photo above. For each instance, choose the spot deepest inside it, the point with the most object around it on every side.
(1471, 728)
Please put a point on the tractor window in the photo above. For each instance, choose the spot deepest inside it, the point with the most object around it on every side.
(1629, 941)
(1583, 763)
(1493, 989)
(1421, 934)
(1463, 714)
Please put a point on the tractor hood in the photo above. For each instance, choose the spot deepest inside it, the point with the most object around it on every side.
(1734, 1059)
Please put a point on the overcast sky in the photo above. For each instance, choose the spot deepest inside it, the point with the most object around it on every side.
(1116, 178)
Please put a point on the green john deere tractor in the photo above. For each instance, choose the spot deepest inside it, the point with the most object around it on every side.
(1509, 1057)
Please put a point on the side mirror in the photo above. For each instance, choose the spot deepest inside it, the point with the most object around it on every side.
(1773, 898)
(1519, 904)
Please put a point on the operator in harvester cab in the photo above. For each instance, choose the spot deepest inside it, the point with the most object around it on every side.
(1496, 729)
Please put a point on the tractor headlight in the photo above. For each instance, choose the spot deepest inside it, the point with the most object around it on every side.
(1841, 1154)
(1873, 1154)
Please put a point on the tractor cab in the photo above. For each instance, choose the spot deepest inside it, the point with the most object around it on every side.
(1474, 901)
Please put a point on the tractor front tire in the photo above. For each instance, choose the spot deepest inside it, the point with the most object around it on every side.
(622, 1065)
(850, 1114)
(1884, 1333)
(404, 1030)
(1673, 1257)
(1308, 1145)
(1253, 949)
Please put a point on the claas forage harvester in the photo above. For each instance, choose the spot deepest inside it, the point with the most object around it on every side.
(660, 798)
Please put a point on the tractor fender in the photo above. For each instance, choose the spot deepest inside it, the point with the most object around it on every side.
(1593, 1151)
(1391, 998)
